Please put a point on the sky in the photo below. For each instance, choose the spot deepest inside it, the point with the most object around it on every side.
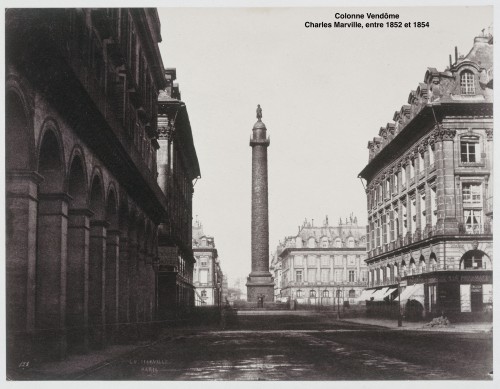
(324, 93)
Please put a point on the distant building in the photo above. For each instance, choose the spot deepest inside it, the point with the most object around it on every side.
(322, 262)
(430, 191)
(207, 273)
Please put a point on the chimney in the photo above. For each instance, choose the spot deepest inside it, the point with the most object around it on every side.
(450, 60)
(456, 54)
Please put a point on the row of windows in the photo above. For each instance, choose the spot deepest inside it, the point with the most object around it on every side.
(385, 227)
(469, 153)
(324, 242)
(324, 260)
(325, 293)
(325, 275)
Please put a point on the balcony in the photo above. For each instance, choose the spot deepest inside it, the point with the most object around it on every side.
(475, 230)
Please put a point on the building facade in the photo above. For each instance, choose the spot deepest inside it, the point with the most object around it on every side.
(178, 168)
(429, 190)
(207, 275)
(83, 206)
(322, 265)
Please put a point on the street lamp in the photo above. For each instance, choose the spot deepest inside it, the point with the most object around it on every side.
(400, 319)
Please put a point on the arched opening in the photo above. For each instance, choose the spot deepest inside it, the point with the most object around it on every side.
(475, 260)
(97, 259)
(413, 266)
(422, 266)
(433, 262)
(17, 139)
(311, 242)
(51, 240)
(21, 216)
(390, 274)
(78, 257)
(112, 263)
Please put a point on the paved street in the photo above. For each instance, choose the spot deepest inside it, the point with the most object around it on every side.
(302, 347)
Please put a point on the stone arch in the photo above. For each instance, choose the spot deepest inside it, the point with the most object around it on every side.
(422, 265)
(97, 196)
(413, 266)
(51, 258)
(19, 137)
(77, 264)
(433, 263)
(112, 216)
(50, 160)
(475, 259)
(97, 260)
(77, 182)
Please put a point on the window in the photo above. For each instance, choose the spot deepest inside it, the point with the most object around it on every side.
(473, 221)
(203, 293)
(433, 206)
(467, 83)
(311, 260)
(311, 243)
(423, 211)
(299, 293)
(352, 294)
(338, 275)
(392, 226)
(403, 176)
(352, 275)
(387, 187)
(326, 293)
(431, 154)
(325, 275)
(421, 163)
(298, 275)
(471, 194)
(380, 194)
(325, 260)
(405, 219)
(311, 275)
(413, 213)
(204, 262)
(338, 242)
(324, 242)
(312, 293)
(469, 149)
(412, 168)
(384, 229)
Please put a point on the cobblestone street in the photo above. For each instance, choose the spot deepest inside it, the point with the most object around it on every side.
(299, 347)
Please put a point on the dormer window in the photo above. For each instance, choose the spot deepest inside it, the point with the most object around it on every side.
(467, 83)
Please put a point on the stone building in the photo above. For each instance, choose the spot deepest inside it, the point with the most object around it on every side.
(83, 203)
(321, 263)
(177, 169)
(429, 190)
(207, 275)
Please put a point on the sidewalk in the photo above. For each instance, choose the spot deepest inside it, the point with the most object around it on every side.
(480, 327)
(75, 365)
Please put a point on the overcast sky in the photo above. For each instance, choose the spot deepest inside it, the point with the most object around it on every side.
(324, 93)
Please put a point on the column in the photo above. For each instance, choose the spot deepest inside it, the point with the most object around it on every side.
(447, 222)
(77, 298)
(97, 282)
(51, 272)
(123, 277)
(112, 284)
(21, 230)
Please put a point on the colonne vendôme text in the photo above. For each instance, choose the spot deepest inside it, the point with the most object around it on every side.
(352, 20)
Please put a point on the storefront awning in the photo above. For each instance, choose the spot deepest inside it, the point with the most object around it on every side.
(378, 294)
(365, 295)
(414, 292)
(388, 292)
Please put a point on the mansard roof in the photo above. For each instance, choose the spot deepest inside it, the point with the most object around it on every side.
(440, 92)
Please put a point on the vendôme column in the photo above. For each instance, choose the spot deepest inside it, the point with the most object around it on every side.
(260, 284)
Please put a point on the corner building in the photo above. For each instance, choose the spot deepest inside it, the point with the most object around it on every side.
(322, 265)
(430, 191)
(207, 276)
(83, 203)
